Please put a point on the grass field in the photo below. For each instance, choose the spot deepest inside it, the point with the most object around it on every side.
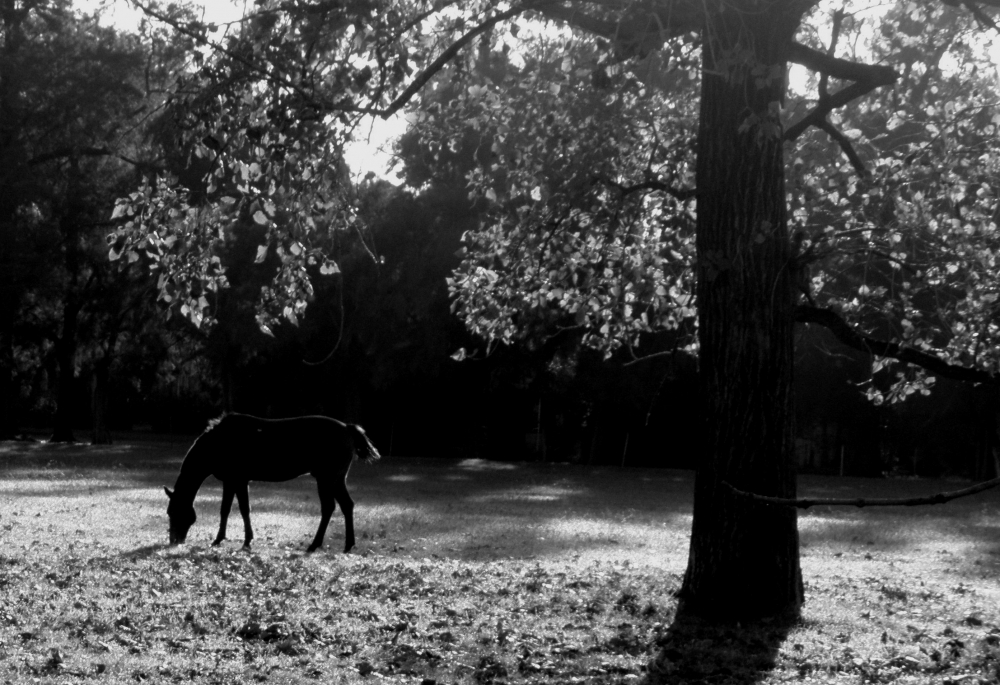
(469, 572)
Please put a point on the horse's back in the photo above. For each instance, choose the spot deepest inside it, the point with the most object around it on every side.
(254, 448)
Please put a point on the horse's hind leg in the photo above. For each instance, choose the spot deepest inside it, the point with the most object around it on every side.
(243, 497)
(227, 504)
(346, 506)
(327, 502)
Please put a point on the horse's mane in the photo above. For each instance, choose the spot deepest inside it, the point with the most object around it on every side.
(215, 422)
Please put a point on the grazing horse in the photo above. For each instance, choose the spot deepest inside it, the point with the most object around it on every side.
(237, 448)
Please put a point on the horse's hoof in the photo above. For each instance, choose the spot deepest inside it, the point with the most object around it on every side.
(311, 548)
(216, 543)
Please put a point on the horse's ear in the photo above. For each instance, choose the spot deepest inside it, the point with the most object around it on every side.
(170, 493)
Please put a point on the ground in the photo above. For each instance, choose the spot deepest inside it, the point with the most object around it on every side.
(467, 572)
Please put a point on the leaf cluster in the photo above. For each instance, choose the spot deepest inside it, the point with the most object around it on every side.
(584, 175)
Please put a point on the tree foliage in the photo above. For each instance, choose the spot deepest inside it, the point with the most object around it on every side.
(901, 226)
(265, 116)
(77, 98)
(893, 198)
(588, 183)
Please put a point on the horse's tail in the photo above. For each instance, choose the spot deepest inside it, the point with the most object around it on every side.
(363, 446)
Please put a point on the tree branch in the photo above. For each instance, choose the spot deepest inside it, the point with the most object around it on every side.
(838, 99)
(866, 77)
(846, 146)
(860, 502)
(838, 18)
(73, 152)
(434, 67)
(681, 194)
(846, 334)
(70, 152)
(838, 68)
(984, 19)
(642, 28)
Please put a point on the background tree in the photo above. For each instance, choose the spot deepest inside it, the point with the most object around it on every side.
(77, 98)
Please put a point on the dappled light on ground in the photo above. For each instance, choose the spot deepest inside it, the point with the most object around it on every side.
(544, 572)
(532, 493)
(484, 465)
(403, 478)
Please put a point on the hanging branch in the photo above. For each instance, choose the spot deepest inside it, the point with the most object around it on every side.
(846, 145)
(860, 502)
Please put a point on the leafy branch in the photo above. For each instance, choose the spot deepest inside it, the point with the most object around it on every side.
(434, 67)
(196, 31)
(681, 194)
(640, 30)
(846, 334)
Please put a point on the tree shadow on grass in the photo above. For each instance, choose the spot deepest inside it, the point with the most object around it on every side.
(697, 651)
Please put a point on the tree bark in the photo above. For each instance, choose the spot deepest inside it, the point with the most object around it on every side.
(65, 349)
(66, 344)
(100, 434)
(12, 40)
(8, 307)
(744, 556)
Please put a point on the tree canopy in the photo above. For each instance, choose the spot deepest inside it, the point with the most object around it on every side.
(585, 138)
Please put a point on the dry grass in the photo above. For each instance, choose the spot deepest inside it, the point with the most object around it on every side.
(464, 572)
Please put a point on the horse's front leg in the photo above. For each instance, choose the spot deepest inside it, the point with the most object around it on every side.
(338, 491)
(227, 505)
(326, 504)
(347, 507)
(243, 497)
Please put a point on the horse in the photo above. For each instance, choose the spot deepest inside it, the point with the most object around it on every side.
(238, 448)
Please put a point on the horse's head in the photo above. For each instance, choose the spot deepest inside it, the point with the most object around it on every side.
(181, 515)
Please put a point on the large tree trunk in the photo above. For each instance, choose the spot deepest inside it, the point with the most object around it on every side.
(744, 558)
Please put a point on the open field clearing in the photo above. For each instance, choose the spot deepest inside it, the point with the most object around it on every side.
(470, 572)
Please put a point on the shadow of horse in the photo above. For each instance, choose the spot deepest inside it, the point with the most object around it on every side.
(696, 651)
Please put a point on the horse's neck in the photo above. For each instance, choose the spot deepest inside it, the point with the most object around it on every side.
(190, 478)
